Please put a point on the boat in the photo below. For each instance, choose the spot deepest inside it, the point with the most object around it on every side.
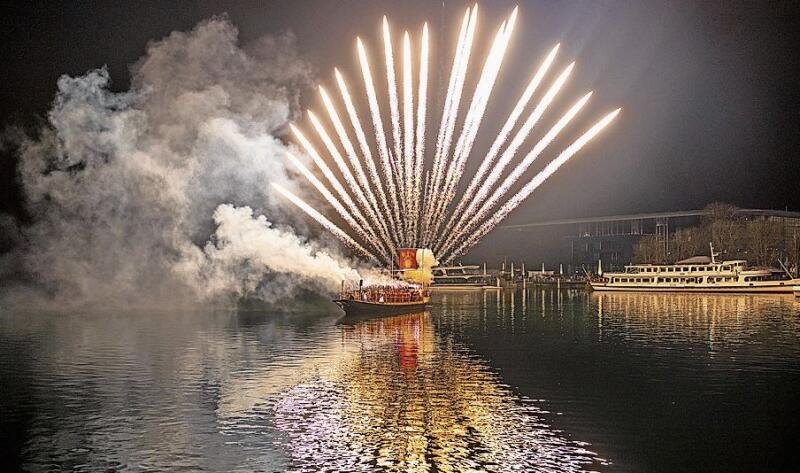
(558, 282)
(463, 277)
(697, 274)
(383, 300)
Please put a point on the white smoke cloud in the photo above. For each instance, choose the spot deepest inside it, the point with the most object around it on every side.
(245, 248)
(149, 196)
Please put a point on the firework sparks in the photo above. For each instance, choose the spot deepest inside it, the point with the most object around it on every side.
(394, 201)
(362, 143)
(347, 216)
(394, 108)
(475, 114)
(542, 176)
(419, 152)
(449, 113)
(502, 137)
(520, 169)
(379, 135)
(408, 130)
(327, 224)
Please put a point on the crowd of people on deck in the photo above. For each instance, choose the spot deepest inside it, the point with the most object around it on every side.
(386, 294)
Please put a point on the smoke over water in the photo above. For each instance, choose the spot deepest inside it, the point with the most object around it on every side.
(160, 194)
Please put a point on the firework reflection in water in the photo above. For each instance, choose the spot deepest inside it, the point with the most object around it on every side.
(405, 401)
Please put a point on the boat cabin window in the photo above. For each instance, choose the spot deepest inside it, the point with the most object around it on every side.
(755, 278)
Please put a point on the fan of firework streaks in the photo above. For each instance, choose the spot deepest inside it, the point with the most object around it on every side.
(390, 198)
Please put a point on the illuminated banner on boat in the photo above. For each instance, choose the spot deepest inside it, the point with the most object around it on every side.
(407, 258)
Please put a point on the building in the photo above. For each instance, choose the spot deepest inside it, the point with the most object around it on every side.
(581, 242)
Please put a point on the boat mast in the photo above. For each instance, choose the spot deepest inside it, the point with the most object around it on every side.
(786, 270)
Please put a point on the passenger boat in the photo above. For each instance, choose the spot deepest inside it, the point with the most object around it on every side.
(697, 274)
(463, 277)
(383, 300)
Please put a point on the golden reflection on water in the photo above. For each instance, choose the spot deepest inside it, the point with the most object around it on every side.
(410, 401)
(730, 319)
(714, 305)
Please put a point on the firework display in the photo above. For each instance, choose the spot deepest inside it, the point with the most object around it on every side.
(386, 193)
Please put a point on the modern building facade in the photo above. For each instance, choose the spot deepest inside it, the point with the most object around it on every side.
(581, 242)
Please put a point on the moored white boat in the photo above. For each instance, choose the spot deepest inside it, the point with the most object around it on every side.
(698, 274)
(465, 277)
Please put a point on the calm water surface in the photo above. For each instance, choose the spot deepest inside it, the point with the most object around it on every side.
(526, 380)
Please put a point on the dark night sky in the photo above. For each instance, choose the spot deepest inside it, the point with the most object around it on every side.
(709, 89)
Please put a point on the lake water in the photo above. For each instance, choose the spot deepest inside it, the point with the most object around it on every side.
(525, 380)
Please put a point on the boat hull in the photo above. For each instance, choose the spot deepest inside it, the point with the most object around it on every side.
(731, 289)
(463, 287)
(356, 307)
(562, 284)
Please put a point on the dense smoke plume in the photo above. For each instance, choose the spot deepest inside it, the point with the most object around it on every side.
(160, 194)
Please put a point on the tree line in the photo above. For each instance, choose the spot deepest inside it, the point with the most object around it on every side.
(759, 240)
